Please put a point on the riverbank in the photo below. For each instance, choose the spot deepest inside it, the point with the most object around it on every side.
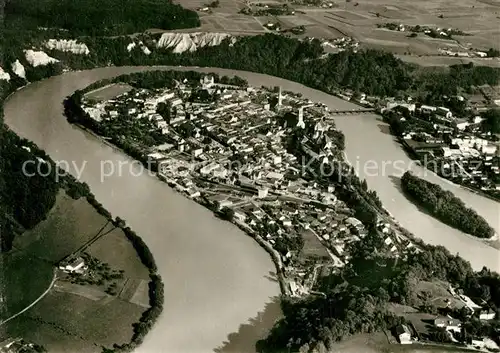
(415, 157)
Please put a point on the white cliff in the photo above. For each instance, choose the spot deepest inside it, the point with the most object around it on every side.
(38, 58)
(181, 42)
(131, 46)
(18, 69)
(144, 48)
(4, 75)
(67, 45)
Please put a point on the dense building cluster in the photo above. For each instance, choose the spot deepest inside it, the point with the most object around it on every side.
(232, 149)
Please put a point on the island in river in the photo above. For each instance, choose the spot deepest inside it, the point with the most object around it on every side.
(445, 206)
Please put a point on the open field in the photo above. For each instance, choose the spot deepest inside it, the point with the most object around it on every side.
(58, 340)
(22, 280)
(141, 294)
(448, 60)
(379, 343)
(103, 322)
(68, 226)
(359, 20)
(225, 18)
(83, 291)
(312, 245)
(67, 317)
(439, 293)
(108, 92)
(115, 249)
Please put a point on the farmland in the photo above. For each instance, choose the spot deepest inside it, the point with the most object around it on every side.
(18, 270)
(75, 318)
(66, 317)
(68, 226)
(379, 343)
(359, 19)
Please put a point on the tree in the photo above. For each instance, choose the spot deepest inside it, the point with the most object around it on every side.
(227, 213)
(491, 122)
(493, 53)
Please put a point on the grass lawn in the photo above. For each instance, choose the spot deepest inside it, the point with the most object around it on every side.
(108, 92)
(22, 280)
(102, 322)
(312, 245)
(68, 226)
(115, 249)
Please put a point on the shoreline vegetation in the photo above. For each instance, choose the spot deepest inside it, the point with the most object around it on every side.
(446, 207)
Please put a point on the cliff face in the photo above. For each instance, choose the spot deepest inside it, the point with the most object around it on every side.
(4, 75)
(38, 58)
(68, 46)
(181, 42)
(141, 45)
(18, 69)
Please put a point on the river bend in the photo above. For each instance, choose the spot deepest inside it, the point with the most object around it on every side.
(217, 278)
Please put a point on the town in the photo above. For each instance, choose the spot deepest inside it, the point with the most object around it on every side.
(233, 149)
(228, 147)
(450, 139)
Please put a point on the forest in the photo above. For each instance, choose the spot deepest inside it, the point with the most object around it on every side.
(97, 17)
(445, 206)
(491, 122)
(369, 71)
(25, 200)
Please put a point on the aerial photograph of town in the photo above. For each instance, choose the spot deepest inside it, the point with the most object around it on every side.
(236, 176)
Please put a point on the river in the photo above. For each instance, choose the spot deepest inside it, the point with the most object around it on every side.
(218, 292)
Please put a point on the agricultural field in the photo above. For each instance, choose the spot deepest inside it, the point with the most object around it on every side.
(69, 225)
(379, 343)
(447, 60)
(224, 18)
(66, 316)
(359, 19)
(23, 279)
(71, 315)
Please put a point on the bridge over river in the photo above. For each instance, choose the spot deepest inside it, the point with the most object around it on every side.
(353, 111)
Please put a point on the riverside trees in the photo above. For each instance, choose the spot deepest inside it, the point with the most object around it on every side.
(445, 206)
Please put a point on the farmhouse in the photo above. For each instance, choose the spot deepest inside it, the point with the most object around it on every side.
(73, 265)
(404, 334)
(449, 324)
(486, 314)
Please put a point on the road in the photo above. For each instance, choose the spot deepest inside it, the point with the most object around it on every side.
(54, 278)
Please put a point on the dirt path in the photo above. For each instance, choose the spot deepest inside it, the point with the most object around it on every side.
(54, 277)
